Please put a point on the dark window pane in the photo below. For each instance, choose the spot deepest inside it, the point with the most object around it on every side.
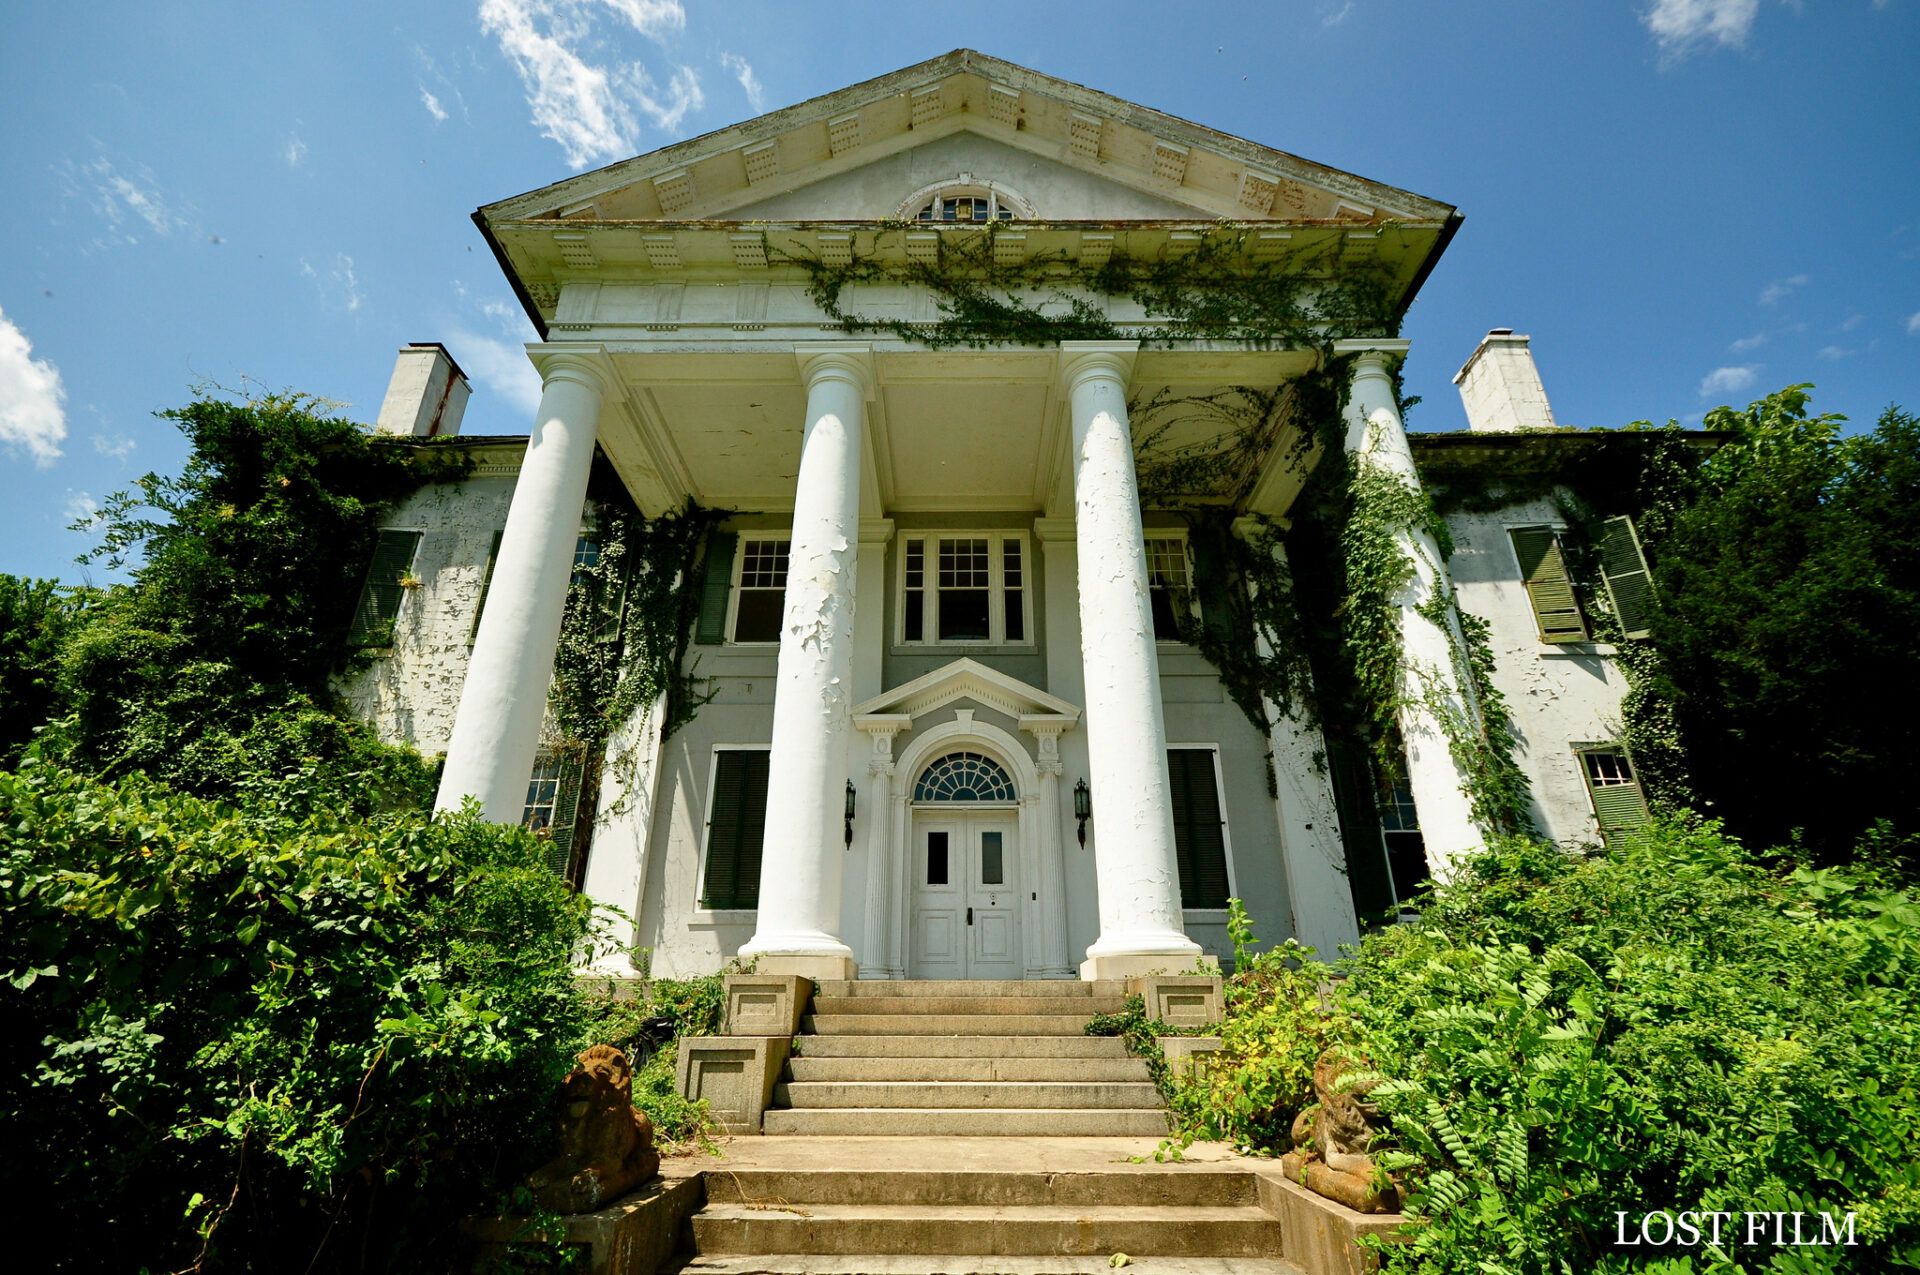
(1199, 845)
(963, 615)
(916, 615)
(737, 829)
(1166, 625)
(758, 619)
(992, 869)
(936, 858)
(1016, 617)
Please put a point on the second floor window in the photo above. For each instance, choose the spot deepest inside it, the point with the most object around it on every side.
(761, 597)
(1167, 585)
(963, 588)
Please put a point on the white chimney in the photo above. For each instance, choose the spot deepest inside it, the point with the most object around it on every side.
(1501, 387)
(427, 395)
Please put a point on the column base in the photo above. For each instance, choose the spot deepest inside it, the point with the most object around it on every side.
(815, 965)
(1141, 964)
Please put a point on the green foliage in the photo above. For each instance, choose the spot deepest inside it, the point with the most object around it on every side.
(263, 1035)
(1140, 1033)
(216, 664)
(1670, 1025)
(1788, 624)
(36, 619)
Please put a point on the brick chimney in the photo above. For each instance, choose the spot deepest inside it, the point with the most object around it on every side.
(427, 394)
(1501, 387)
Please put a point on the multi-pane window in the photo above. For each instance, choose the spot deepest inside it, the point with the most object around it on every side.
(964, 208)
(1618, 802)
(1167, 585)
(543, 792)
(762, 591)
(1199, 828)
(1400, 829)
(964, 588)
(736, 829)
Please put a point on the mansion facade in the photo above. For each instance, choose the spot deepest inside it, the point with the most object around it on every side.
(954, 722)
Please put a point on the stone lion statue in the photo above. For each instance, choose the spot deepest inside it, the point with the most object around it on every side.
(1332, 1139)
(606, 1147)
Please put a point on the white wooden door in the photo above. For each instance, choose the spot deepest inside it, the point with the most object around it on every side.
(966, 899)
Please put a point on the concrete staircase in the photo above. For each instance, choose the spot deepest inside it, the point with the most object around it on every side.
(896, 1221)
(963, 1059)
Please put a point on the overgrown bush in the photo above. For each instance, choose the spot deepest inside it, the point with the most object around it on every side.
(1672, 1025)
(245, 1039)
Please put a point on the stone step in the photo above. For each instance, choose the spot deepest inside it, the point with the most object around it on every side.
(1073, 1231)
(944, 1024)
(960, 1047)
(1148, 1186)
(975, 1070)
(960, 1094)
(967, 1264)
(970, 987)
(1082, 1007)
(973, 1122)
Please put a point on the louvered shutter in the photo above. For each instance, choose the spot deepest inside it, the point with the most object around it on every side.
(566, 813)
(1210, 584)
(1199, 845)
(1549, 588)
(718, 583)
(1629, 583)
(736, 829)
(381, 597)
(486, 585)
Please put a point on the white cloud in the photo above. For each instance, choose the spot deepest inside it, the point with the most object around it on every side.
(1726, 380)
(742, 71)
(80, 506)
(1339, 15)
(1913, 324)
(1683, 25)
(294, 151)
(1746, 343)
(1780, 289)
(1833, 353)
(122, 198)
(589, 106)
(114, 446)
(340, 286)
(432, 104)
(499, 365)
(31, 415)
(1853, 321)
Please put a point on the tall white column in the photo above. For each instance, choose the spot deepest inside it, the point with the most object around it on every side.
(798, 930)
(497, 727)
(1377, 437)
(1141, 929)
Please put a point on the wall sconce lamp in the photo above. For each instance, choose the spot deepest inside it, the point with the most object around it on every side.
(1082, 808)
(849, 814)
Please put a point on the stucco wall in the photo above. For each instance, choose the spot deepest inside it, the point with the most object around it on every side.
(1559, 696)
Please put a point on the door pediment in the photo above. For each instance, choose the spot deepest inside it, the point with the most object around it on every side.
(964, 679)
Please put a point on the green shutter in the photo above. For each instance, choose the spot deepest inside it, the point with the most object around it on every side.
(736, 829)
(1198, 841)
(566, 813)
(380, 599)
(1629, 583)
(1211, 586)
(1549, 588)
(486, 583)
(715, 588)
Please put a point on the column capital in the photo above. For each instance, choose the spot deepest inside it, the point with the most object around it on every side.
(876, 531)
(1372, 354)
(1051, 529)
(1081, 361)
(586, 365)
(837, 361)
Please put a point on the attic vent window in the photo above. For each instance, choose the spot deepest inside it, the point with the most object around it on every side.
(964, 208)
(966, 202)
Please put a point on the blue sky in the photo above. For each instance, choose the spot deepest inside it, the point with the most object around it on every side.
(1685, 202)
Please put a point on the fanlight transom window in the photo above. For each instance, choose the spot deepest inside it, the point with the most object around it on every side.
(964, 777)
(966, 203)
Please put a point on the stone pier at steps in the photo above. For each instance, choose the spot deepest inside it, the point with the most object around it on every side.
(963, 1059)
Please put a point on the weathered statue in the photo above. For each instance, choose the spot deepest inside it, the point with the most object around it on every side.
(1331, 1140)
(606, 1147)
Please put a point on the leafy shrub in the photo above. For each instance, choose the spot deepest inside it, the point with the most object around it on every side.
(248, 1038)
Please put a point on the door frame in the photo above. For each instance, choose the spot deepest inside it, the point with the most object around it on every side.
(1043, 919)
(972, 819)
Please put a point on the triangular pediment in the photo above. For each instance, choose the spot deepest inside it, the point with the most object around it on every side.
(839, 157)
(966, 679)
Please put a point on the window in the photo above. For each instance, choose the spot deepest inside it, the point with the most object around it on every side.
(1400, 829)
(553, 802)
(762, 595)
(543, 789)
(1618, 802)
(486, 584)
(964, 777)
(965, 202)
(385, 589)
(1199, 830)
(964, 588)
(736, 828)
(1543, 568)
(1167, 585)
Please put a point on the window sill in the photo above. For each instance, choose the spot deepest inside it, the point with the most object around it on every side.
(948, 648)
(711, 919)
(1571, 650)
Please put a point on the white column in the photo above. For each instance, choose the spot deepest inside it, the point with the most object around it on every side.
(800, 866)
(876, 813)
(1052, 911)
(1141, 929)
(497, 728)
(1376, 437)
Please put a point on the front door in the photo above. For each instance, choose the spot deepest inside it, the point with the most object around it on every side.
(966, 917)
